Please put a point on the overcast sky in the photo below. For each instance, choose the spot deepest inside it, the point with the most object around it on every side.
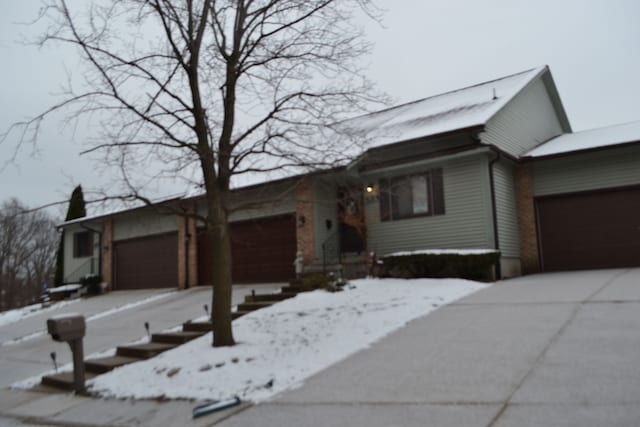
(425, 47)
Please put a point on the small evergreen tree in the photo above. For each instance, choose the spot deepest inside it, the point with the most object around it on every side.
(75, 210)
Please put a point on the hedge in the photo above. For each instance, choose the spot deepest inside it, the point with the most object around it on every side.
(473, 266)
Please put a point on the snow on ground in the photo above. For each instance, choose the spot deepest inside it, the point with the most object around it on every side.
(12, 316)
(100, 315)
(282, 345)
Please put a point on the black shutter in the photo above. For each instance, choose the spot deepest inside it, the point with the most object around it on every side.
(385, 200)
(437, 188)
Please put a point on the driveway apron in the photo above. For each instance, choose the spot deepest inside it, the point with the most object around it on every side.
(556, 349)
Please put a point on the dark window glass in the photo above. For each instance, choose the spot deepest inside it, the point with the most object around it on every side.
(410, 196)
(83, 244)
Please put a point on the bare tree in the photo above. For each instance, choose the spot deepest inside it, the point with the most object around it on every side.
(211, 92)
(27, 252)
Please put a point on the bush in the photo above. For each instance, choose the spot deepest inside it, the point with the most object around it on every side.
(92, 283)
(316, 281)
(472, 266)
(322, 281)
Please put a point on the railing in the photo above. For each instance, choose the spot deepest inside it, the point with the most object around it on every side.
(331, 250)
(87, 267)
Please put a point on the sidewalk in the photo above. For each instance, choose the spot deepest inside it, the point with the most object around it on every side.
(549, 350)
(57, 409)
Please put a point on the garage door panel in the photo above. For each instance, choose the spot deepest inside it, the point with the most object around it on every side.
(149, 262)
(262, 250)
(596, 230)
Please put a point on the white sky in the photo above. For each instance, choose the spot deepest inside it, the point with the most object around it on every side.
(425, 47)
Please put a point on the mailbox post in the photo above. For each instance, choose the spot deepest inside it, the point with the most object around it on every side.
(71, 328)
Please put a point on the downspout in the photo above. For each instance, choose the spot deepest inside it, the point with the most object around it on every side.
(496, 240)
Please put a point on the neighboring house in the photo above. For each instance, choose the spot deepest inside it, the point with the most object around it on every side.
(493, 165)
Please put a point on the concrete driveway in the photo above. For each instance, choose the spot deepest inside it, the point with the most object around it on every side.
(112, 319)
(546, 350)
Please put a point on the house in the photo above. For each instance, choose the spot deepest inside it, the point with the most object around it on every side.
(494, 165)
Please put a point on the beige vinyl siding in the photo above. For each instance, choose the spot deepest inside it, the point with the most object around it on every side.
(143, 223)
(466, 223)
(506, 210)
(76, 268)
(597, 170)
(259, 202)
(325, 208)
(283, 206)
(527, 121)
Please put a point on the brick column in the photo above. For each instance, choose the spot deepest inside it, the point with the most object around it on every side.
(182, 235)
(304, 209)
(193, 252)
(107, 253)
(529, 255)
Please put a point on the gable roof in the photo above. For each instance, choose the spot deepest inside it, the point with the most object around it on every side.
(451, 111)
(625, 133)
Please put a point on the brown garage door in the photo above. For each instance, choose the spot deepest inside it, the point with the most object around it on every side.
(594, 230)
(148, 262)
(262, 250)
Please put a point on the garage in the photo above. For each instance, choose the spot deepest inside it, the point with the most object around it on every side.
(590, 230)
(262, 250)
(147, 262)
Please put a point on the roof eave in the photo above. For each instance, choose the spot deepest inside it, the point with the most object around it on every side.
(579, 151)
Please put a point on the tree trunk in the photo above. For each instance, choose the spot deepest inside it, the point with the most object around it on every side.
(218, 235)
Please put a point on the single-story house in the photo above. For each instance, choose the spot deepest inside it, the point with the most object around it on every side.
(491, 166)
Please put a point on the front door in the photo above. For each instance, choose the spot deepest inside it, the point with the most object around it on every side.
(352, 221)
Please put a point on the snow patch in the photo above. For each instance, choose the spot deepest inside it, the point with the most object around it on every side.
(12, 316)
(88, 319)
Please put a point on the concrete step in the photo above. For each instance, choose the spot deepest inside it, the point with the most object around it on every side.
(144, 351)
(63, 381)
(197, 327)
(269, 297)
(105, 364)
(294, 289)
(238, 313)
(256, 305)
(176, 337)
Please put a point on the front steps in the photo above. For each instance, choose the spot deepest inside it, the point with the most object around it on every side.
(161, 342)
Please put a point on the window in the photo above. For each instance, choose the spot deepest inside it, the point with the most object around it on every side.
(82, 244)
(411, 196)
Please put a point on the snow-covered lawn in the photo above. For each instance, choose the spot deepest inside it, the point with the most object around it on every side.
(280, 346)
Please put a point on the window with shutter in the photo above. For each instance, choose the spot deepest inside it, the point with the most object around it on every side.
(412, 196)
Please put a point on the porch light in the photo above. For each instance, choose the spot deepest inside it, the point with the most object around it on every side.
(369, 188)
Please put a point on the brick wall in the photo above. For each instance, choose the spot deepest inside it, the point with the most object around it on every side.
(182, 272)
(529, 255)
(187, 247)
(193, 252)
(304, 208)
(107, 253)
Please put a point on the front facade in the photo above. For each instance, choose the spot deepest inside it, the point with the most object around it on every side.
(493, 166)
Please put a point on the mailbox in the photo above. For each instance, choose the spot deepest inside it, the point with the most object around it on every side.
(67, 327)
(71, 328)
